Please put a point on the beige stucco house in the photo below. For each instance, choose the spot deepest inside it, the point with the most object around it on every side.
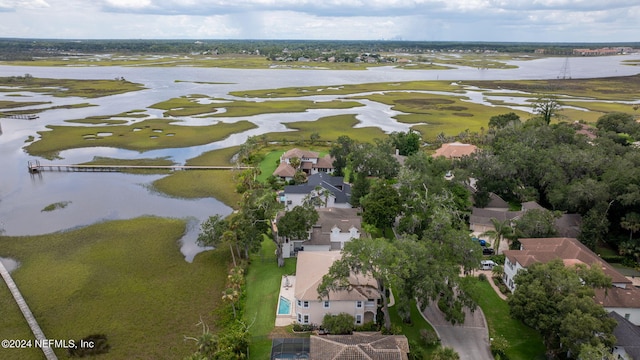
(360, 301)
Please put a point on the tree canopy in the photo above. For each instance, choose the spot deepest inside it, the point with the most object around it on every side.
(557, 301)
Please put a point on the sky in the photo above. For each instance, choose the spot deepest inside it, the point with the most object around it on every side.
(414, 20)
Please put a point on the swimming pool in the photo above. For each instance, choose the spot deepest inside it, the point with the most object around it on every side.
(284, 306)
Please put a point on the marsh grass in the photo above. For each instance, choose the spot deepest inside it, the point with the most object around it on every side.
(434, 114)
(219, 184)
(4, 104)
(350, 89)
(68, 87)
(624, 88)
(143, 136)
(188, 106)
(126, 279)
(329, 128)
(192, 184)
(56, 206)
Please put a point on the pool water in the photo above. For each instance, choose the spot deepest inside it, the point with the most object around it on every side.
(284, 307)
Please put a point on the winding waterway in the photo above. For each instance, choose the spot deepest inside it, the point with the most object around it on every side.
(96, 197)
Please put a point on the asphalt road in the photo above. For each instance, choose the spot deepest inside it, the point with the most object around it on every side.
(470, 340)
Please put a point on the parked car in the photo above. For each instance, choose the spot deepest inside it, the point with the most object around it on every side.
(487, 264)
(488, 251)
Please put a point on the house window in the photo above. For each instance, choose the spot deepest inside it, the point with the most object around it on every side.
(305, 319)
(289, 202)
(305, 304)
(325, 304)
(627, 316)
(299, 318)
(358, 304)
(299, 303)
(359, 319)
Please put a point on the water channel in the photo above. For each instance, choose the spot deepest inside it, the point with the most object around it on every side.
(94, 197)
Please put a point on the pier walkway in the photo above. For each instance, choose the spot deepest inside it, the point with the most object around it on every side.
(36, 167)
(26, 312)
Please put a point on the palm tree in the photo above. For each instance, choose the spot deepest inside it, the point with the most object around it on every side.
(501, 229)
(631, 222)
(445, 353)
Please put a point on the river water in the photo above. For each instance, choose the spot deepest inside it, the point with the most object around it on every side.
(94, 197)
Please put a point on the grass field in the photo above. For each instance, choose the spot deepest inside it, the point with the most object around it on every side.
(263, 284)
(126, 279)
(524, 342)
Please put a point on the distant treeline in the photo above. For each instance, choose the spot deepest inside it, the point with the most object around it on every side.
(26, 49)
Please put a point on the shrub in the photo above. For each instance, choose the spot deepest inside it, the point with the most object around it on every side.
(482, 277)
(341, 324)
(369, 326)
(499, 345)
(303, 327)
(428, 337)
(503, 289)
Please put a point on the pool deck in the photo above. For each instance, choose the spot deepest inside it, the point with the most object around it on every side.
(287, 287)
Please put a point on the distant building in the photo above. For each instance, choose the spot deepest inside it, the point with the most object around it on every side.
(455, 150)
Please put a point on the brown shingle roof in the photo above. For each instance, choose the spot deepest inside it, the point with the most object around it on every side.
(295, 152)
(325, 162)
(359, 346)
(568, 249)
(284, 170)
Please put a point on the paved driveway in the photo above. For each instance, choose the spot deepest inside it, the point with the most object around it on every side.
(470, 340)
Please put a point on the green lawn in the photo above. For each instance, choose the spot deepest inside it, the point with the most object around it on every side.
(263, 286)
(524, 342)
(412, 331)
(126, 279)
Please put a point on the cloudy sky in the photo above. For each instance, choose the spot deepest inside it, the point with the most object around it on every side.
(429, 20)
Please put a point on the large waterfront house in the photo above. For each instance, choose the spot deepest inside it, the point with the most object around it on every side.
(309, 162)
(360, 300)
(622, 297)
(328, 190)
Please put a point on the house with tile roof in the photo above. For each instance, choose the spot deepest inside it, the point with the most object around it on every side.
(334, 228)
(330, 191)
(359, 346)
(360, 300)
(310, 163)
(622, 297)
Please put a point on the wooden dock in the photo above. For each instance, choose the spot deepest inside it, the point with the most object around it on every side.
(26, 312)
(35, 167)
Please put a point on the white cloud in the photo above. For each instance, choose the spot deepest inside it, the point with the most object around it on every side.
(472, 20)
